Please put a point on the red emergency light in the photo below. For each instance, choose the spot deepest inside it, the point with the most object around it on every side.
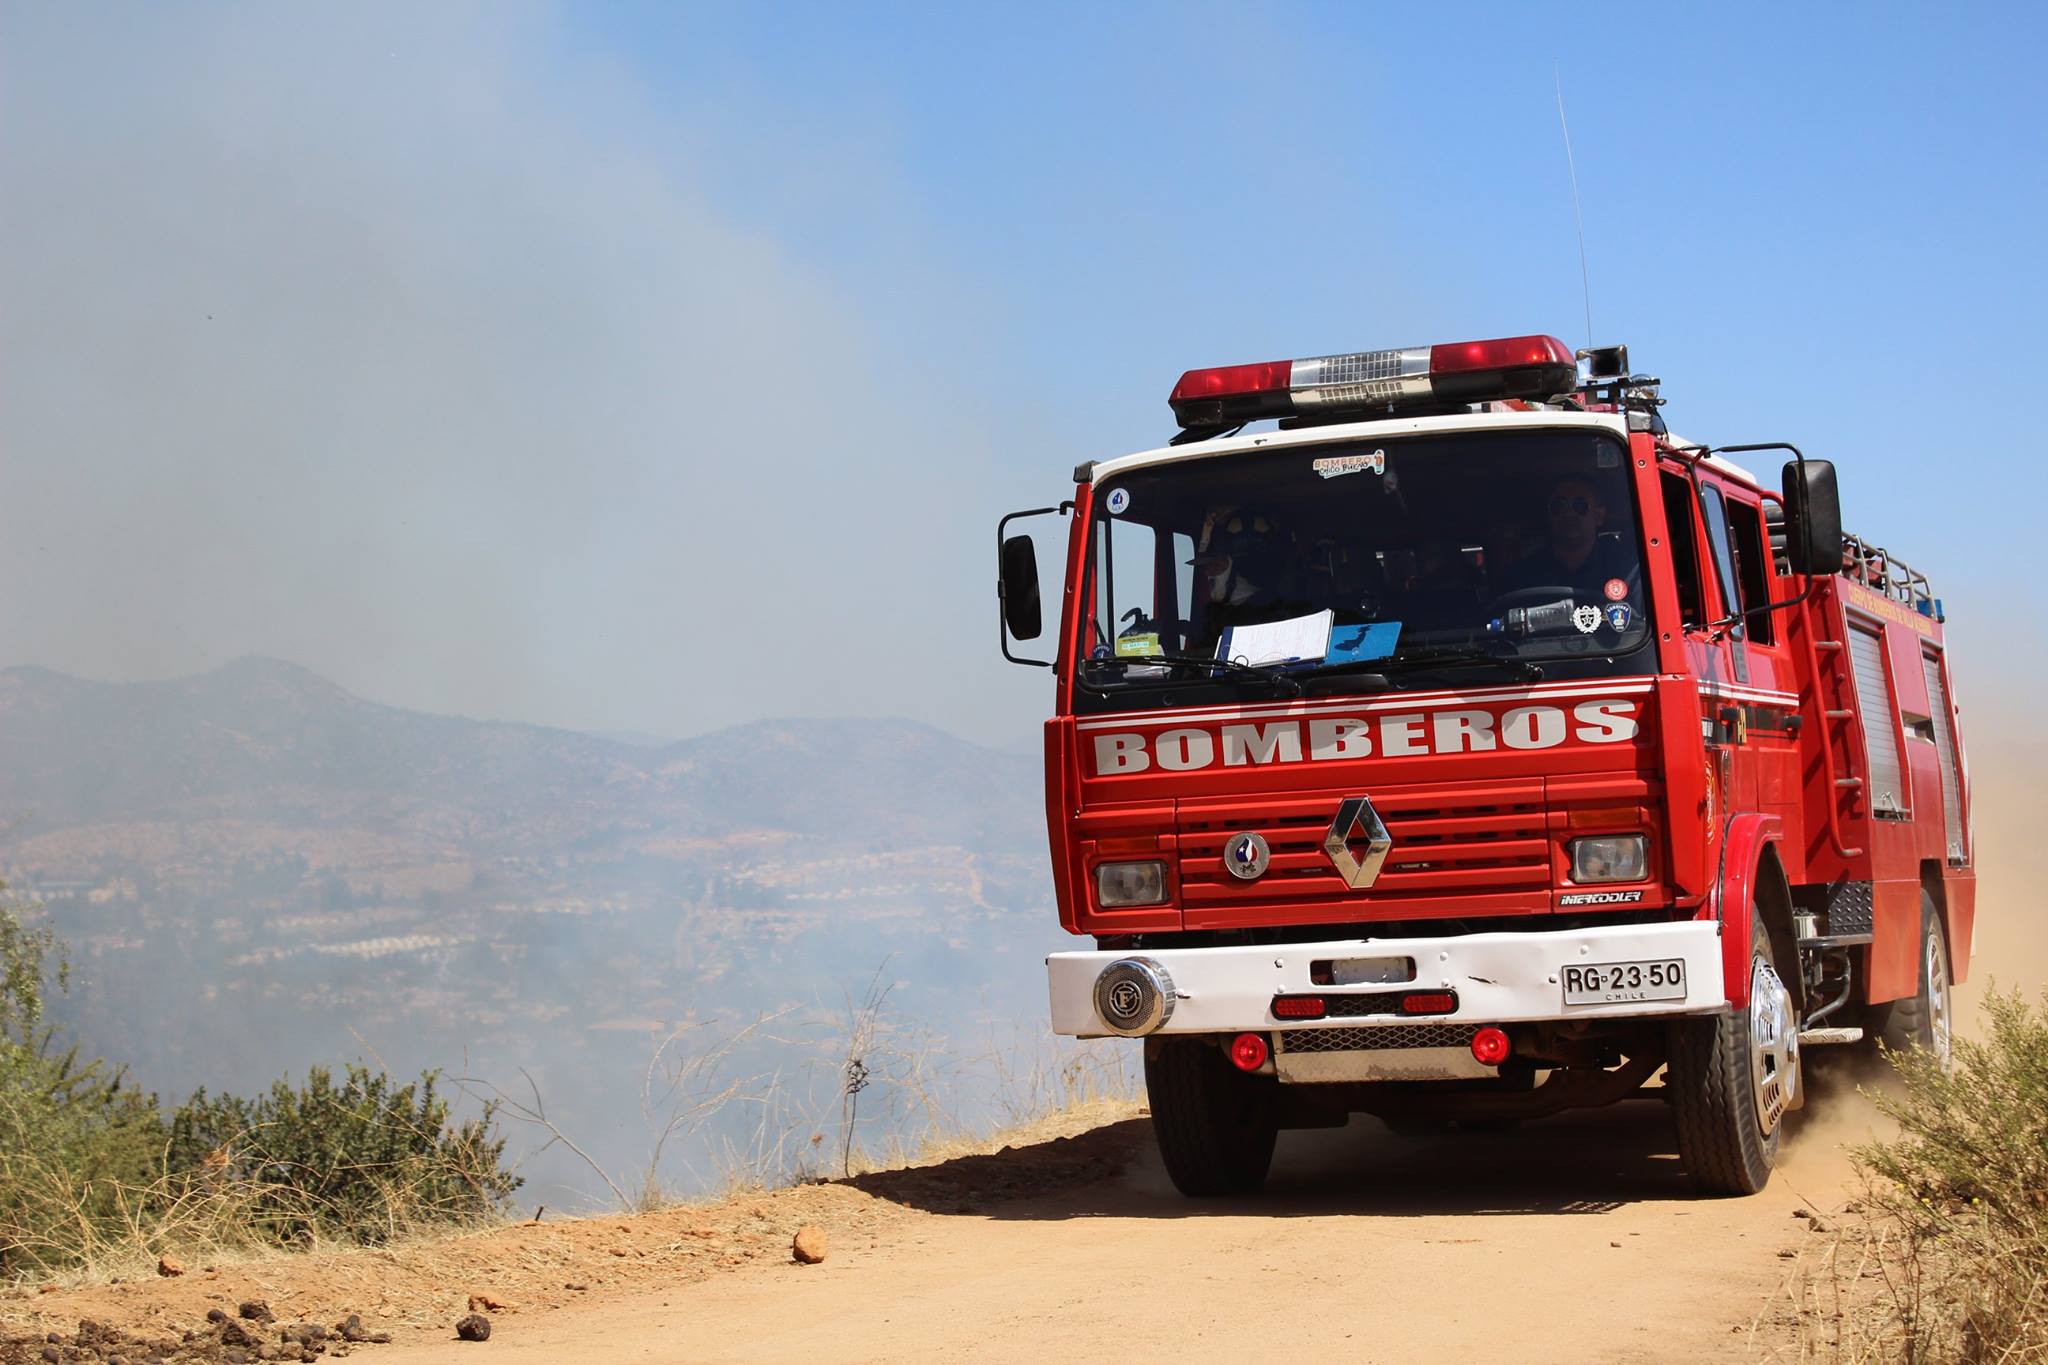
(1534, 367)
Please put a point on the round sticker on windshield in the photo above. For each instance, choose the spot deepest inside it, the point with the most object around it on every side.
(1615, 589)
(1119, 500)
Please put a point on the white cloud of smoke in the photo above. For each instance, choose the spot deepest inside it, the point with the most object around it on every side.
(394, 342)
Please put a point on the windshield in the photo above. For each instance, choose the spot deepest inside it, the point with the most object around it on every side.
(1508, 550)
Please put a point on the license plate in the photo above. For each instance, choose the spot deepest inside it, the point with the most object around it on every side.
(1618, 983)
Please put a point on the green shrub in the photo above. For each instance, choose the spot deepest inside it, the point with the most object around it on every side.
(74, 1135)
(362, 1160)
(1965, 1183)
(91, 1174)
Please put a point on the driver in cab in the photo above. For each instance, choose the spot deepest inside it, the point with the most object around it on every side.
(1244, 573)
(1577, 556)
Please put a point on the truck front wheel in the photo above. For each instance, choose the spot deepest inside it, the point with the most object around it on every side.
(1215, 1124)
(1733, 1077)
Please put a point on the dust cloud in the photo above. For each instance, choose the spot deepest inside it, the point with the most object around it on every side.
(2011, 939)
(2008, 757)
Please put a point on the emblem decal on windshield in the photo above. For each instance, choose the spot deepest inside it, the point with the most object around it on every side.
(1587, 619)
(1336, 466)
(1118, 501)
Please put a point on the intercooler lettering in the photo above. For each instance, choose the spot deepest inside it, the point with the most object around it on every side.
(1325, 738)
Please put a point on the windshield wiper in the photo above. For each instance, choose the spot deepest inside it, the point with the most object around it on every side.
(1448, 658)
(1126, 661)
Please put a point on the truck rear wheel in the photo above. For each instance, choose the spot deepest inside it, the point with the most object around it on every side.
(1733, 1077)
(1923, 1019)
(1215, 1124)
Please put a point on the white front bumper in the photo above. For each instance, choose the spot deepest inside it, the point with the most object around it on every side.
(1499, 978)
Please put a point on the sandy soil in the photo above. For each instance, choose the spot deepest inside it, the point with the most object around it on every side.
(1575, 1239)
(1571, 1240)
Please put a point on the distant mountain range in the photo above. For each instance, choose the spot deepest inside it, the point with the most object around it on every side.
(269, 742)
(255, 870)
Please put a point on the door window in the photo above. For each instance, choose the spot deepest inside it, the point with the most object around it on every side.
(1685, 554)
(1716, 508)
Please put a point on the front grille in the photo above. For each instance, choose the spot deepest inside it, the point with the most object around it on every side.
(1372, 1039)
(1448, 843)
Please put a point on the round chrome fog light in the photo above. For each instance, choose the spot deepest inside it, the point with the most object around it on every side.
(1134, 996)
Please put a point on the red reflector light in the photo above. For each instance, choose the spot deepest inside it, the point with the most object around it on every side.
(1226, 381)
(1506, 353)
(1248, 1051)
(1299, 1007)
(1430, 1002)
(1490, 1046)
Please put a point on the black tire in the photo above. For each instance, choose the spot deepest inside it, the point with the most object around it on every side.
(1215, 1124)
(1727, 1137)
(1923, 1019)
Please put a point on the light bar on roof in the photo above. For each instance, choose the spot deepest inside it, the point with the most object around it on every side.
(1463, 372)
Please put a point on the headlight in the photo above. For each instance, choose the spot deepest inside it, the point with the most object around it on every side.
(1130, 884)
(1611, 858)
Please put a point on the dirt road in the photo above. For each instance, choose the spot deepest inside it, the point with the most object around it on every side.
(1574, 1239)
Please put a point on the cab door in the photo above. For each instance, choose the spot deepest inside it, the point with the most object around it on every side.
(1760, 711)
(1717, 638)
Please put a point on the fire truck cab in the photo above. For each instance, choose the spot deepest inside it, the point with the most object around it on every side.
(1468, 747)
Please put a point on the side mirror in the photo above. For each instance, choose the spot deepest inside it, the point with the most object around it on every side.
(1813, 518)
(1017, 583)
(1018, 588)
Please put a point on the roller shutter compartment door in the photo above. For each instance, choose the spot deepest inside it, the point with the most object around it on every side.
(1945, 745)
(1880, 720)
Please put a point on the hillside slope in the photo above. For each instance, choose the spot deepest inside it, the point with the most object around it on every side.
(291, 875)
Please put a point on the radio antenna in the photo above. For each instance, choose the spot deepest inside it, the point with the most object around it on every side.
(1585, 278)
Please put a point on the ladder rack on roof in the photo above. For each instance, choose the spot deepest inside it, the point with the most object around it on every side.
(1877, 568)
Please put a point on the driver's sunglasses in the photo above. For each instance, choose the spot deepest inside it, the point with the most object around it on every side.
(1578, 507)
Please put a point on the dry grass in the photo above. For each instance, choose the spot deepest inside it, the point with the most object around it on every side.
(791, 1130)
(1949, 1260)
(62, 1225)
(789, 1098)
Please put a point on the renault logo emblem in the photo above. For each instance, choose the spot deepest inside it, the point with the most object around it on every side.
(1357, 843)
(1246, 855)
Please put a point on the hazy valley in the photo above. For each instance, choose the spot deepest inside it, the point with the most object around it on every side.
(256, 871)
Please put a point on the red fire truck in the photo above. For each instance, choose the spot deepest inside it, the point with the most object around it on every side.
(1465, 747)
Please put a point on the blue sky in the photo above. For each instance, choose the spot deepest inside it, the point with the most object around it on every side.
(765, 315)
